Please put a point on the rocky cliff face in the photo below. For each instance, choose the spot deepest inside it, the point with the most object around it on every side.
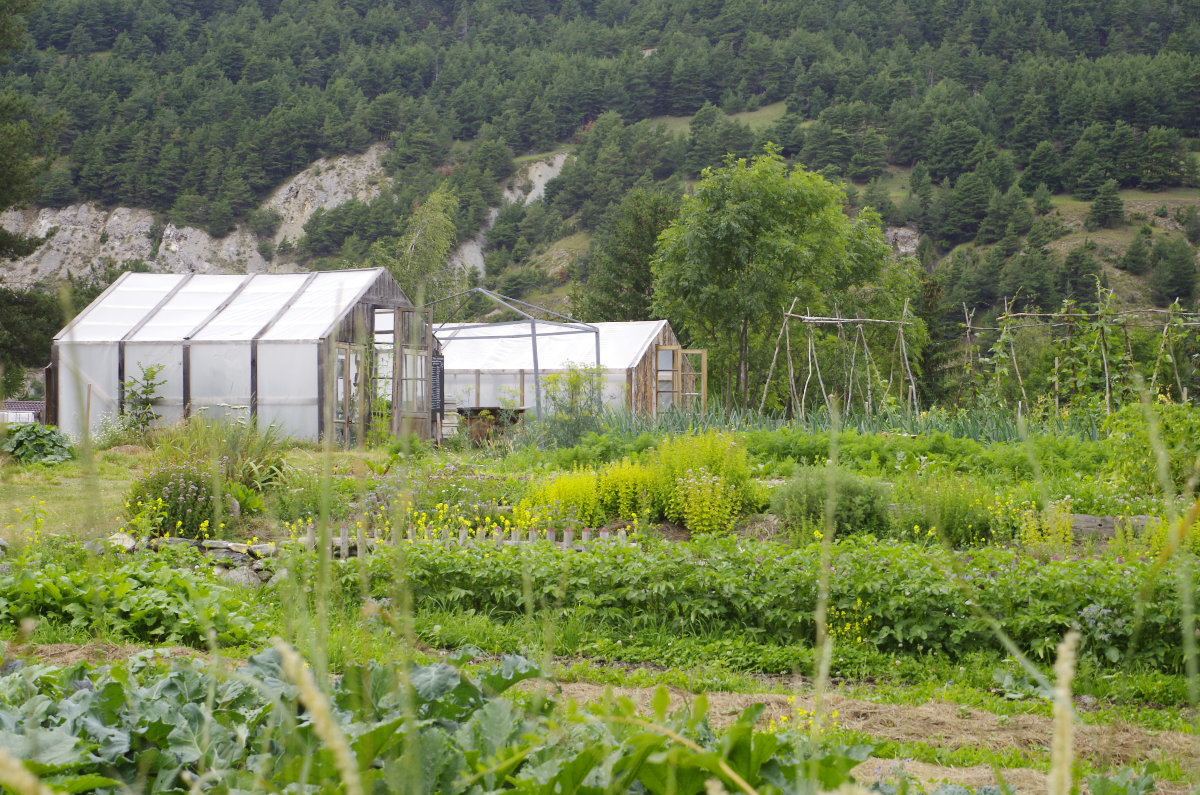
(84, 235)
(529, 184)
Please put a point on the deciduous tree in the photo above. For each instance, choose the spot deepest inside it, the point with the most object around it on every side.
(753, 236)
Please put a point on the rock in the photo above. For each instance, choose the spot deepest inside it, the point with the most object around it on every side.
(212, 543)
(241, 577)
(3, 547)
(257, 565)
(95, 546)
(228, 556)
(242, 548)
(278, 577)
(263, 550)
(172, 541)
(903, 240)
(123, 542)
(265, 576)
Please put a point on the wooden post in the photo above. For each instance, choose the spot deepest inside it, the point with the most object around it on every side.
(586, 536)
(345, 542)
(310, 537)
(568, 539)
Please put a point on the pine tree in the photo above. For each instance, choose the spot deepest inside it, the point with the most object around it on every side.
(1107, 210)
(1041, 199)
(1174, 271)
(1136, 259)
(966, 207)
(1161, 158)
(1078, 274)
(1044, 167)
(995, 222)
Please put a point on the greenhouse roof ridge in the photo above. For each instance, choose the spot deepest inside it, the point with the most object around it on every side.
(167, 307)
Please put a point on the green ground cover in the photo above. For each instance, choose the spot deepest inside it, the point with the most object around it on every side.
(935, 554)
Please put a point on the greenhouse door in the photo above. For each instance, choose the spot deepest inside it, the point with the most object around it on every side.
(682, 378)
(416, 344)
(348, 395)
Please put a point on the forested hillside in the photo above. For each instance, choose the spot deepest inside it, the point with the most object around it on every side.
(961, 118)
(200, 107)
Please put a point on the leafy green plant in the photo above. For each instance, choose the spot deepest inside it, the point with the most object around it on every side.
(571, 405)
(147, 600)
(710, 504)
(158, 726)
(1133, 457)
(31, 443)
(903, 597)
(860, 505)
(625, 490)
(248, 454)
(141, 393)
(249, 502)
(575, 494)
(186, 496)
(721, 455)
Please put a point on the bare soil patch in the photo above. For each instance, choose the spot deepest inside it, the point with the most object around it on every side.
(96, 653)
(948, 726)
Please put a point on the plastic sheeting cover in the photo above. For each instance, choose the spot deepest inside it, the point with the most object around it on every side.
(325, 300)
(188, 308)
(494, 346)
(136, 299)
(115, 314)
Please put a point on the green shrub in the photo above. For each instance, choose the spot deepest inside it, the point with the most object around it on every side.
(625, 490)
(249, 455)
(718, 454)
(954, 509)
(860, 505)
(711, 504)
(31, 443)
(185, 497)
(571, 405)
(1133, 457)
(573, 495)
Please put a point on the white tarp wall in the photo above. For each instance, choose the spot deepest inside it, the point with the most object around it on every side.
(215, 336)
(491, 364)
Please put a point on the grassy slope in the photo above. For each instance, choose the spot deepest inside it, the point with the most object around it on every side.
(754, 119)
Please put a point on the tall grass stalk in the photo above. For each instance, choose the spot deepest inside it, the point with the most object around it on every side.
(824, 641)
(323, 721)
(1180, 526)
(18, 778)
(1063, 751)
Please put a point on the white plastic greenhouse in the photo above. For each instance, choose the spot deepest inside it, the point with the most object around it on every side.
(644, 369)
(312, 353)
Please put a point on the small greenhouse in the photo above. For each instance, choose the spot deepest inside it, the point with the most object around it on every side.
(642, 365)
(312, 353)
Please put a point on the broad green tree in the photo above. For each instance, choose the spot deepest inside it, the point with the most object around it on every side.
(418, 258)
(752, 237)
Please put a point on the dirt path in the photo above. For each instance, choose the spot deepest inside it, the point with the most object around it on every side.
(946, 725)
(96, 653)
